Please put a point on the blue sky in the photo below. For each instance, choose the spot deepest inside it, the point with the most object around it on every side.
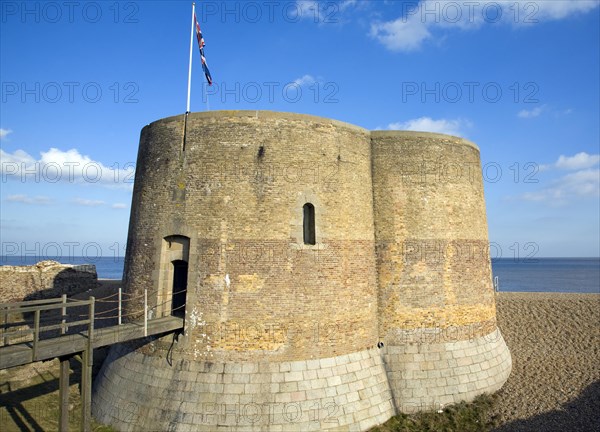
(519, 78)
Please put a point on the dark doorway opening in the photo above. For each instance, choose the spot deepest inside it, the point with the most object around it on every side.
(180, 275)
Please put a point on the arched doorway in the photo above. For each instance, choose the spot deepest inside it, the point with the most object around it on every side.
(180, 275)
(173, 276)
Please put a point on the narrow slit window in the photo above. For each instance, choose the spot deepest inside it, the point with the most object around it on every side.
(309, 224)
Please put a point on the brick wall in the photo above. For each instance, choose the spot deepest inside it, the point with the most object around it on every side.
(431, 231)
(237, 192)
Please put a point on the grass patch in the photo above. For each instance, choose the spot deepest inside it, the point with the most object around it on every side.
(463, 417)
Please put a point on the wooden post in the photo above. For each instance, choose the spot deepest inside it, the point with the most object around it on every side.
(86, 375)
(63, 377)
(145, 312)
(86, 405)
(5, 341)
(63, 395)
(63, 311)
(36, 334)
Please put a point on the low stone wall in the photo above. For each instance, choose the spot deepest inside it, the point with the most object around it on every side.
(44, 280)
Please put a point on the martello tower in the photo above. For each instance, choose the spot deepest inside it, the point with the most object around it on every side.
(329, 276)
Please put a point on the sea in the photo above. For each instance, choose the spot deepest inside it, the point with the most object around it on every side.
(567, 275)
(106, 267)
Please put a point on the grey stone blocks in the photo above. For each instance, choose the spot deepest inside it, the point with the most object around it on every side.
(348, 392)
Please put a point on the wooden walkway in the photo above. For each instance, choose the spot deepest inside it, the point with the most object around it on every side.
(28, 340)
(60, 346)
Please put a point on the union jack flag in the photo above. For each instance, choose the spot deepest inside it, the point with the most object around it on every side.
(201, 46)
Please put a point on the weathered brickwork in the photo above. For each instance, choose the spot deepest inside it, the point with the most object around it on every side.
(400, 261)
(237, 192)
(431, 232)
(44, 280)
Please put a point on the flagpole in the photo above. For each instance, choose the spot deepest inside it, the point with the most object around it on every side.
(190, 67)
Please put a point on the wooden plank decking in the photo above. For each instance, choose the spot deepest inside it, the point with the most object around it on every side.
(20, 354)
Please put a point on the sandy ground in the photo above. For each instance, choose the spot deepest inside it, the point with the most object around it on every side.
(107, 287)
(554, 340)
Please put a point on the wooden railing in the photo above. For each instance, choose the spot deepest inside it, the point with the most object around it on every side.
(37, 307)
(21, 337)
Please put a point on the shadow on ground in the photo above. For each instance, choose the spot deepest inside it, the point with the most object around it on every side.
(579, 415)
(33, 406)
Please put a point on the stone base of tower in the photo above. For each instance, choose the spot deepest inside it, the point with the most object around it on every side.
(137, 392)
(427, 376)
(353, 392)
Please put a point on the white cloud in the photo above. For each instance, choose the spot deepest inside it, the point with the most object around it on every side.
(119, 206)
(69, 166)
(401, 34)
(19, 157)
(559, 9)
(305, 80)
(323, 12)
(313, 10)
(580, 184)
(535, 112)
(579, 161)
(426, 19)
(4, 133)
(24, 199)
(427, 124)
(346, 4)
(88, 202)
(305, 7)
